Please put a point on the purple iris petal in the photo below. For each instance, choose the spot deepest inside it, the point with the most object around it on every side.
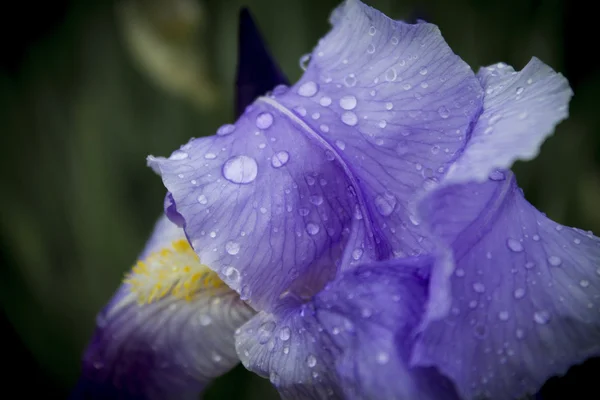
(352, 341)
(331, 164)
(257, 72)
(525, 292)
(169, 345)
(521, 110)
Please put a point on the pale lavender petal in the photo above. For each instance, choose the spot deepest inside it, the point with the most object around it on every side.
(523, 292)
(330, 164)
(352, 341)
(163, 342)
(520, 111)
(395, 104)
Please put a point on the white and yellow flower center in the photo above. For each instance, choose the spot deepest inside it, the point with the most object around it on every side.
(173, 271)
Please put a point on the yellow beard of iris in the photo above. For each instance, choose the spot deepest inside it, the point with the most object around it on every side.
(173, 271)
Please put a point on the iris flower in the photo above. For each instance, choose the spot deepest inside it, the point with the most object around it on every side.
(368, 215)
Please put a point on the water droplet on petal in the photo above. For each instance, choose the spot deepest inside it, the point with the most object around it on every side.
(225, 129)
(348, 102)
(285, 333)
(304, 61)
(478, 287)
(202, 199)
(350, 80)
(312, 229)
(349, 118)
(423, 71)
(265, 331)
(583, 283)
(317, 200)
(497, 176)
(385, 203)
(178, 155)
(280, 159)
(341, 145)
(391, 75)
(311, 361)
(514, 245)
(325, 101)
(503, 315)
(240, 169)
(443, 112)
(232, 248)
(519, 90)
(357, 254)
(308, 89)
(382, 123)
(370, 49)
(541, 317)
(519, 293)
(232, 274)
(264, 120)
(372, 31)
(555, 261)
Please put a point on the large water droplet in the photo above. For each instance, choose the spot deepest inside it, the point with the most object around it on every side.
(225, 129)
(385, 203)
(348, 102)
(280, 159)
(349, 118)
(232, 248)
(308, 89)
(240, 169)
(514, 245)
(264, 120)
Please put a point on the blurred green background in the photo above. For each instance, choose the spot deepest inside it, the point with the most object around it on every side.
(89, 88)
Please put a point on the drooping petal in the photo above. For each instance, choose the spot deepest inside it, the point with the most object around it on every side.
(169, 329)
(520, 111)
(351, 342)
(257, 72)
(330, 164)
(524, 292)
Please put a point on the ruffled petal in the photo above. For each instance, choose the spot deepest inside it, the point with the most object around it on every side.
(319, 177)
(520, 111)
(351, 342)
(169, 329)
(395, 104)
(523, 292)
